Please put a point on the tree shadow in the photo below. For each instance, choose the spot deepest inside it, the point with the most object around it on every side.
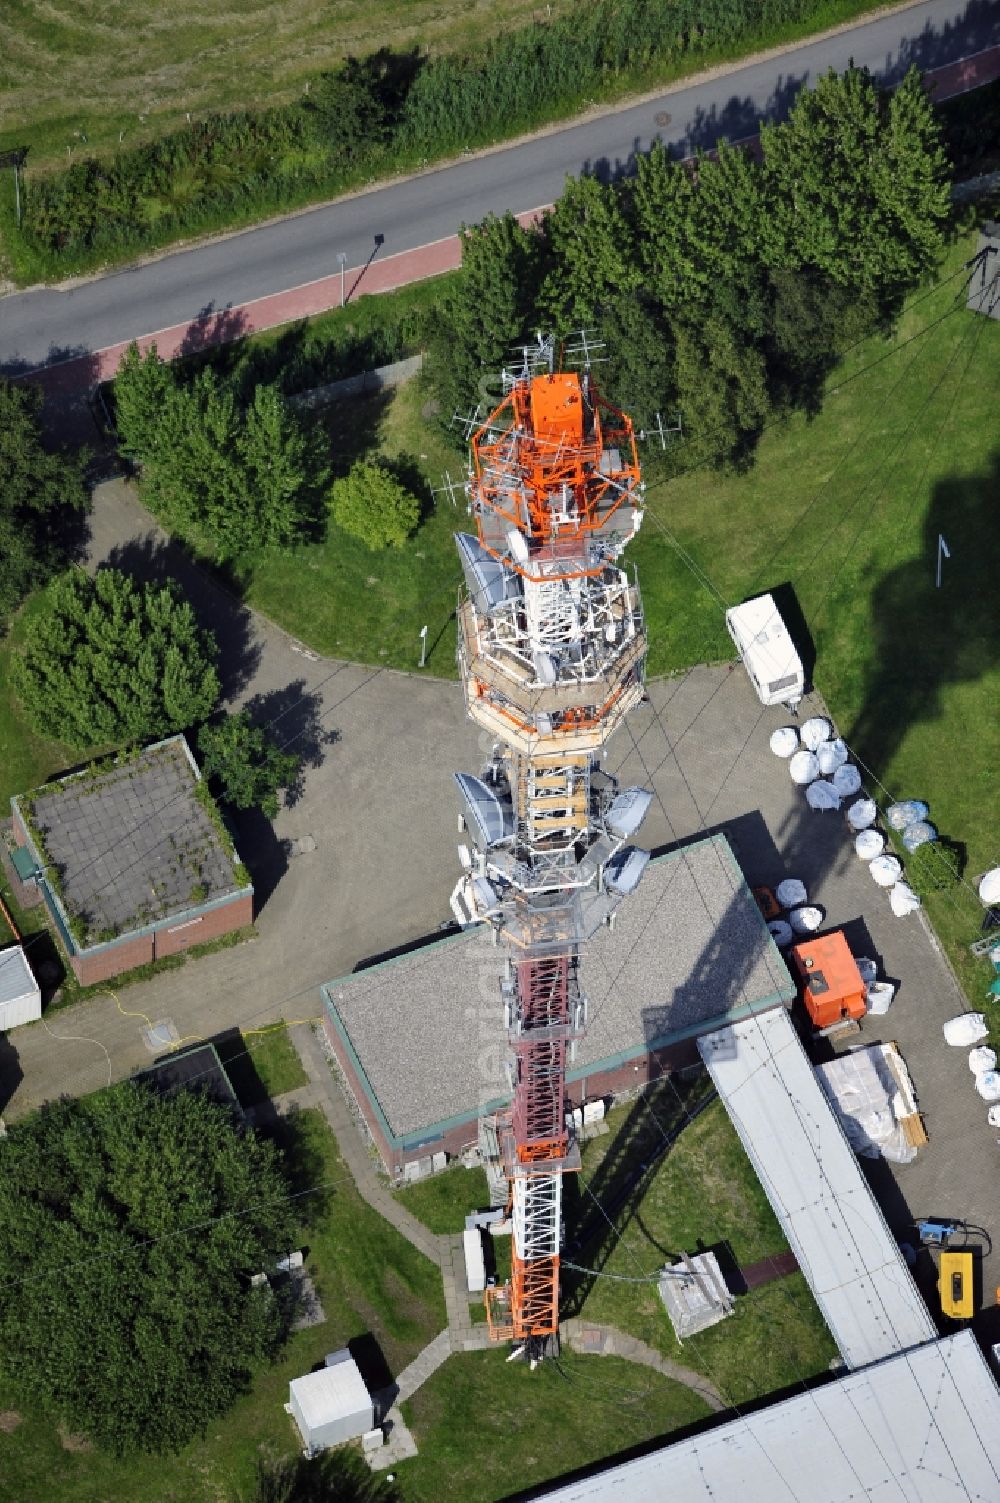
(293, 718)
(264, 855)
(152, 558)
(922, 638)
(11, 1073)
(213, 326)
(304, 1166)
(352, 425)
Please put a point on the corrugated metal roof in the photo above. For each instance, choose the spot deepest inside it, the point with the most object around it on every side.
(812, 1179)
(923, 1427)
(16, 979)
(332, 1393)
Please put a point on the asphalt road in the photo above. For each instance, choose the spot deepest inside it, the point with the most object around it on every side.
(46, 326)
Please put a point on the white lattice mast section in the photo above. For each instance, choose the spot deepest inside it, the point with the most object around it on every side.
(552, 652)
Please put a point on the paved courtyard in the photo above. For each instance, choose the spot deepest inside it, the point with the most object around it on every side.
(364, 861)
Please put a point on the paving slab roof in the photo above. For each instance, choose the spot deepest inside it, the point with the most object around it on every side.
(689, 949)
(133, 844)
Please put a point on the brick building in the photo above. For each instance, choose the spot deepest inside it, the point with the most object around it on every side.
(132, 860)
(420, 1038)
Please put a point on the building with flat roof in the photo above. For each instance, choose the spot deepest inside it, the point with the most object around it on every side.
(420, 1038)
(132, 860)
(923, 1427)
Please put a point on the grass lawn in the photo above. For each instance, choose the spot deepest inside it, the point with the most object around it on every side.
(486, 1430)
(370, 1280)
(703, 1192)
(443, 1201)
(347, 601)
(262, 1064)
(848, 507)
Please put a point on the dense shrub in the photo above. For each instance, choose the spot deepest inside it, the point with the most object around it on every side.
(371, 504)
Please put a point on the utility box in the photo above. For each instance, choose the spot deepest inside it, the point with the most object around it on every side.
(331, 1405)
(829, 981)
(475, 1263)
(695, 1294)
(20, 994)
(767, 652)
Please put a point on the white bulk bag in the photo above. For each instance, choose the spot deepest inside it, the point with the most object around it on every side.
(803, 767)
(879, 997)
(869, 844)
(814, 732)
(886, 870)
(867, 969)
(791, 892)
(993, 1116)
(989, 887)
(822, 795)
(805, 920)
(907, 812)
(781, 933)
(982, 1059)
(847, 780)
(831, 755)
(903, 900)
(785, 741)
(862, 814)
(988, 1085)
(968, 1028)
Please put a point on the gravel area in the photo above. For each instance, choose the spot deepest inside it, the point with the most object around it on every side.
(689, 950)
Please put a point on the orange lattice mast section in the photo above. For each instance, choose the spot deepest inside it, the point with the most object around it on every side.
(552, 650)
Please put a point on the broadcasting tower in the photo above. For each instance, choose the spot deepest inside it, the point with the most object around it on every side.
(552, 646)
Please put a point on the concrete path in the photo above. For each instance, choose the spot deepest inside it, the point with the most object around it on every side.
(423, 1366)
(355, 1152)
(588, 1338)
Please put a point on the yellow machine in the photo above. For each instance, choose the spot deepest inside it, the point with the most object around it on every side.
(955, 1285)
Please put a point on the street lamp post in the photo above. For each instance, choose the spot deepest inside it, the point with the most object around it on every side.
(342, 263)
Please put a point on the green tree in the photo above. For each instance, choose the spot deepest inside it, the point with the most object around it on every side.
(235, 477)
(670, 232)
(491, 310)
(249, 768)
(591, 256)
(858, 181)
(345, 108)
(142, 389)
(371, 504)
(110, 660)
(131, 1224)
(286, 471)
(332, 1477)
(42, 494)
(639, 344)
(721, 390)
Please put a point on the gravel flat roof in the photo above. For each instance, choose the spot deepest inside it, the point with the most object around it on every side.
(689, 951)
(133, 845)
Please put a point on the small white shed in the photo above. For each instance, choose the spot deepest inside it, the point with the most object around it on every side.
(475, 1263)
(332, 1405)
(20, 995)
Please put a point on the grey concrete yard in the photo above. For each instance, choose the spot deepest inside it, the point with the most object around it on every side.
(364, 861)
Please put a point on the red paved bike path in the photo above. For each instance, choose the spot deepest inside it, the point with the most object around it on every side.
(380, 275)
